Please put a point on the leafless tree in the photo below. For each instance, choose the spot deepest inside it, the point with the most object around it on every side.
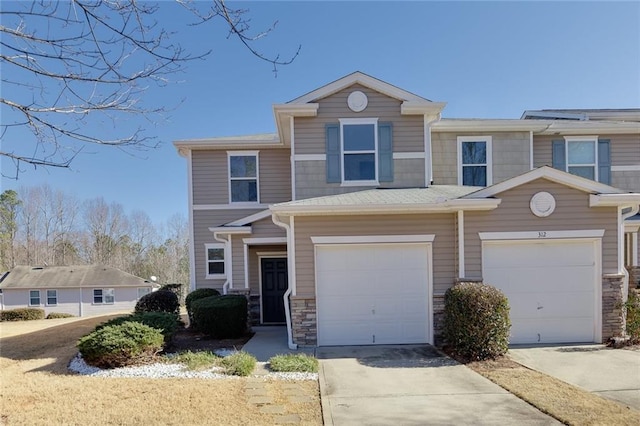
(71, 66)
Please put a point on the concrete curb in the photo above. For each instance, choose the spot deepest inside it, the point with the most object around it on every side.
(324, 398)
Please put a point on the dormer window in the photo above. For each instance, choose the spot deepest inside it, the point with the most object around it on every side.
(474, 160)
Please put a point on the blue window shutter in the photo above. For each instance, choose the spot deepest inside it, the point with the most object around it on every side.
(558, 156)
(385, 152)
(604, 161)
(334, 174)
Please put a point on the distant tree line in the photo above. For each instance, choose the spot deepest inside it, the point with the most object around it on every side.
(44, 226)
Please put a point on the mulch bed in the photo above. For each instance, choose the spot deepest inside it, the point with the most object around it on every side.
(186, 339)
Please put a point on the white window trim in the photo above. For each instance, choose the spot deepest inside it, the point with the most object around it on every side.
(355, 121)
(208, 246)
(594, 139)
(488, 140)
(257, 178)
(39, 298)
(104, 295)
(47, 297)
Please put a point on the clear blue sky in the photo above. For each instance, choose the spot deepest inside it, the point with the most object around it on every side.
(486, 60)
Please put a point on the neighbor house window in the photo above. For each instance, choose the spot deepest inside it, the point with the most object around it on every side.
(34, 297)
(52, 297)
(243, 177)
(359, 149)
(582, 157)
(142, 291)
(215, 260)
(474, 160)
(103, 296)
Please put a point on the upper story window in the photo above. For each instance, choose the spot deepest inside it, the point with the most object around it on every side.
(34, 297)
(584, 156)
(103, 296)
(359, 149)
(243, 176)
(215, 260)
(474, 160)
(52, 297)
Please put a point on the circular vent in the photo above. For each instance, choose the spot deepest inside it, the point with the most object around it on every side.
(357, 101)
(542, 204)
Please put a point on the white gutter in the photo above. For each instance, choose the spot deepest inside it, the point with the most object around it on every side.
(622, 217)
(611, 200)
(291, 278)
(461, 270)
(228, 256)
(246, 265)
(192, 251)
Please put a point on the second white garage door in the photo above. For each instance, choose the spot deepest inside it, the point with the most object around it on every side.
(551, 286)
(372, 294)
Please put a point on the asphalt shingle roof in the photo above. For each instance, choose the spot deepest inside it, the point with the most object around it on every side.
(70, 277)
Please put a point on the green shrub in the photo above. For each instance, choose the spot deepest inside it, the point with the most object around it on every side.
(200, 293)
(200, 360)
(164, 321)
(476, 321)
(178, 289)
(221, 316)
(114, 346)
(633, 316)
(239, 364)
(294, 362)
(159, 301)
(22, 314)
(55, 315)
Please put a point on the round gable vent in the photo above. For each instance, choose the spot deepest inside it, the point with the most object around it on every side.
(542, 204)
(357, 101)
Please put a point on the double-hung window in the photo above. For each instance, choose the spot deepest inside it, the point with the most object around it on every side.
(359, 150)
(215, 260)
(474, 160)
(103, 296)
(34, 297)
(582, 157)
(243, 176)
(142, 291)
(52, 297)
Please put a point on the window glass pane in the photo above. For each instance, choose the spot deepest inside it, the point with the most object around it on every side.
(359, 167)
(244, 190)
(52, 297)
(108, 295)
(97, 295)
(359, 137)
(474, 152)
(588, 172)
(582, 152)
(243, 166)
(216, 268)
(34, 297)
(474, 175)
(215, 254)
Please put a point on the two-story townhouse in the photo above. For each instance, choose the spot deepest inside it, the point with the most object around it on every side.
(351, 222)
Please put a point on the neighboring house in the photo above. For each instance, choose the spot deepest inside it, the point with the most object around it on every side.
(351, 222)
(83, 290)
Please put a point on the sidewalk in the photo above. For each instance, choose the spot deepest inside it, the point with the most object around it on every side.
(269, 341)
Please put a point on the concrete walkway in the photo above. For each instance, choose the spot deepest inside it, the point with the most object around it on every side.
(412, 385)
(610, 373)
(269, 341)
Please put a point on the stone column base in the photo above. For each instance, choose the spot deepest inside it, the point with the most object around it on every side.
(303, 320)
(613, 318)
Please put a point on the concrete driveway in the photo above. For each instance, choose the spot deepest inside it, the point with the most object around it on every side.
(611, 373)
(412, 385)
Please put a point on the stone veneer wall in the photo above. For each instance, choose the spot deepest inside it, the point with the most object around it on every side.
(303, 321)
(613, 318)
(246, 293)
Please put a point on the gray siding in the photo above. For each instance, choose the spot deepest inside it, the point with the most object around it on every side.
(510, 155)
(572, 213)
(211, 181)
(442, 225)
(626, 180)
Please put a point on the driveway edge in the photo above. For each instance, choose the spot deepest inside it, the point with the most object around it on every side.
(324, 398)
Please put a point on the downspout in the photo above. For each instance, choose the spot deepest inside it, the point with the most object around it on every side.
(287, 294)
(227, 255)
(624, 216)
(81, 303)
(428, 157)
(461, 261)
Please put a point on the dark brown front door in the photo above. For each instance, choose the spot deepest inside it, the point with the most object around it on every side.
(274, 285)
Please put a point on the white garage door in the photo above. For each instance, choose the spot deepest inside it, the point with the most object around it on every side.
(551, 286)
(372, 294)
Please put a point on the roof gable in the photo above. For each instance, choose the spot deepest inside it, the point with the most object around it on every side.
(70, 277)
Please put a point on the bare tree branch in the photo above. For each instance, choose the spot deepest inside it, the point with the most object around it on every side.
(69, 65)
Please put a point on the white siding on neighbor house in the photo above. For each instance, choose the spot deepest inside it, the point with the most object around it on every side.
(510, 155)
(572, 212)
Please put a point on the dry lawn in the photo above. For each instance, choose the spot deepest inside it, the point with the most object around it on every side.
(36, 388)
(569, 404)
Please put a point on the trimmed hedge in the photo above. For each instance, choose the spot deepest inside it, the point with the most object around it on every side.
(633, 316)
(120, 345)
(159, 301)
(56, 315)
(200, 293)
(221, 316)
(22, 314)
(166, 322)
(175, 288)
(476, 321)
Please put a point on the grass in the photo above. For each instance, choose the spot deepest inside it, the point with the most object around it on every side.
(294, 363)
(193, 361)
(239, 363)
(38, 389)
(569, 404)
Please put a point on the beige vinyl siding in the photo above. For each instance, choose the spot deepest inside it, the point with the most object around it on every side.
(265, 228)
(513, 215)
(237, 246)
(626, 180)
(442, 225)
(510, 155)
(211, 176)
(625, 149)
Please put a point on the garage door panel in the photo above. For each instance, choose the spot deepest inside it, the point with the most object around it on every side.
(550, 334)
(335, 332)
(573, 254)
